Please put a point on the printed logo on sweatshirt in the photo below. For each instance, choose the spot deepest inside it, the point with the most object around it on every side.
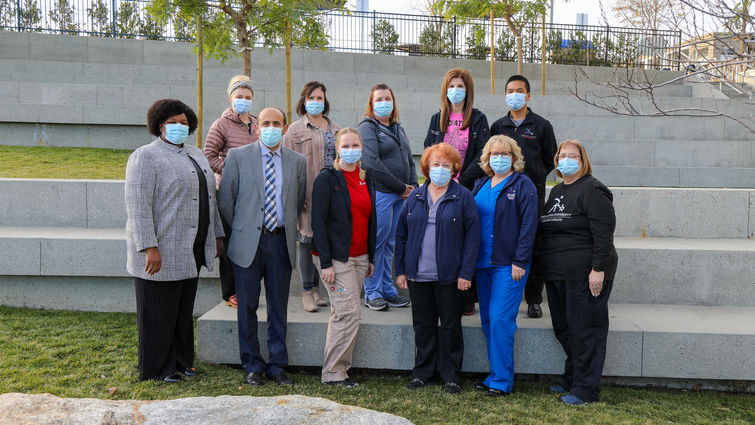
(511, 194)
(558, 206)
(528, 134)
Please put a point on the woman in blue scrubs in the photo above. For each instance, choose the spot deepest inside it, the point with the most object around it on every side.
(507, 202)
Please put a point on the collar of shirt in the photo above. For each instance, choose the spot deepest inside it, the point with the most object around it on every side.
(265, 150)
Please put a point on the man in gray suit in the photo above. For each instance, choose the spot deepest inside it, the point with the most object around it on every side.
(262, 194)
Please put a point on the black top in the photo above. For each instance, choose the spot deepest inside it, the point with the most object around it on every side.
(578, 224)
(387, 155)
(204, 208)
(535, 136)
(478, 136)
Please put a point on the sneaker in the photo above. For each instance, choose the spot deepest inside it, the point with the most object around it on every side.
(558, 389)
(232, 302)
(572, 400)
(346, 383)
(397, 301)
(378, 304)
(417, 383)
(452, 388)
(534, 311)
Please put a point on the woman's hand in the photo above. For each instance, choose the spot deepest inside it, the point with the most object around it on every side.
(153, 260)
(463, 284)
(407, 190)
(517, 273)
(328, 275)
(596, 282)
(219, 246)
(401, 281)
(370, 270)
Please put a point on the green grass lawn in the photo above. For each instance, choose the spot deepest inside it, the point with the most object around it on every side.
(62, 163)
(82, 354)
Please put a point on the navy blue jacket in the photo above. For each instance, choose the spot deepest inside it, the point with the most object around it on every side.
(457, 234)
(515, 221)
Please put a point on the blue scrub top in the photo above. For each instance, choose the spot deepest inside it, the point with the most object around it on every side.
(486, 199)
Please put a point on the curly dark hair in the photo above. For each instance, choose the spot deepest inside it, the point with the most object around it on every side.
(306, 91)
(163, 109)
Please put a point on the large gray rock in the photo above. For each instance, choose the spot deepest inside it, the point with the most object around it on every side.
(292, 409)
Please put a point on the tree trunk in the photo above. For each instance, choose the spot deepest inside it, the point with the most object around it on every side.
(246, 52)
(519, 53)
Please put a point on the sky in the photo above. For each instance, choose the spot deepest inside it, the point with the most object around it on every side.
(563, 12)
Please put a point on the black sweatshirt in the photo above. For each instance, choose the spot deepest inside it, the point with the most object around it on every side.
(578, 224)
(331, 217)
(478, 136)
(387, 155)
(535, 136)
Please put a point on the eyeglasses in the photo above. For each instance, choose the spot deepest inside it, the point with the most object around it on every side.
(570, 156)
(497, 154)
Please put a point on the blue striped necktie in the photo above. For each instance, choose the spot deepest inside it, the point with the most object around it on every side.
(271, 221)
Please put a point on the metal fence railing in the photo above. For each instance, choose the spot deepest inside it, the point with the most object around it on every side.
(373, 32)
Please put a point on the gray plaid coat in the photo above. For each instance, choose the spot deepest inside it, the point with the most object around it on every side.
(162, 202)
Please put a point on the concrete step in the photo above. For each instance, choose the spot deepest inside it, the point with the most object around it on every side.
(676, 177)
(718, 272)
(650, 341)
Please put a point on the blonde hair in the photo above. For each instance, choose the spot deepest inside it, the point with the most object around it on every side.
(337, 162)
(585, 168)
(238, 82)
(517, 159)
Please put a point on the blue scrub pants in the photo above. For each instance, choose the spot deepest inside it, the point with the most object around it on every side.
(500, 297)
(380, 284)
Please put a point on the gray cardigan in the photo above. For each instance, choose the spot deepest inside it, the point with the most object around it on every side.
(387, 155)
(162, 203)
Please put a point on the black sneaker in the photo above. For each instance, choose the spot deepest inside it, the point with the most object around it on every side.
(397, 301)
(417, 383)
(534, 311)
(346, 383)
(452, 388)
(378, 304)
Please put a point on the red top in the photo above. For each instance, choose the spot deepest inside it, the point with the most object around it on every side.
(361, 208)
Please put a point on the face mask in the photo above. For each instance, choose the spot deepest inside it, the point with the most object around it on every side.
(568, 166)
(383, 109)
(242, 106)
(456, 95)
(440, 176)
(516, 101)
(271, 136)
(176, 133)
(314, 107)
(500, 164)
(351, 155)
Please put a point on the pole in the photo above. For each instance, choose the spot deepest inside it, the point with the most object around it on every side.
(288, 70)
(492, 54)
(542, 59)
(200, 79)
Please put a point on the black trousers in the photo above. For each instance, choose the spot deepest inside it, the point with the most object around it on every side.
(533, 289)
(580, 322)
(227, 281)
(437, 348)
(165, 326)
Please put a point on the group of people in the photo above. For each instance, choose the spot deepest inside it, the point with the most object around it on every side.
(345, 205)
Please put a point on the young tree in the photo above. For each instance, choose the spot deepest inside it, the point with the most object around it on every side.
(62, 16)
(7, 13)
(233, 26)
(99, 16)
(648, 14)
(30, 16)
(150, 29)
(516, 13)
(127, 19)
(384, 37)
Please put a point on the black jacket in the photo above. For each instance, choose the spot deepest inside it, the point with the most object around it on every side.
(535, 136)
(478, 136)
(387, 154)
(331, 217)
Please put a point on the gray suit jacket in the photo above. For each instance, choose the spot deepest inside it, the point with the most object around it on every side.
(241, 199)
(162, 202)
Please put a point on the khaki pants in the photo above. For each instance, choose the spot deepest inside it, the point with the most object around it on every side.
(345, 312)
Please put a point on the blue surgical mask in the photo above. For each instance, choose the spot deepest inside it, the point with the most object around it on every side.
(383, 109)
(271, 136)
(568, 166)
(500, 164)
(456, 95)
(351, 155)
(440, 176)
(314, 107)
(176, 133)
(242, 106)
(516, 101)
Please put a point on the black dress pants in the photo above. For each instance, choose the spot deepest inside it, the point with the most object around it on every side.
(533, 289)
(580, 322)
(437, 348)
(165, 326)
(227, 281)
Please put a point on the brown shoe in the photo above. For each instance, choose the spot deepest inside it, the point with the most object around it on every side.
(232, 301)
(308, 301)
(318, 300)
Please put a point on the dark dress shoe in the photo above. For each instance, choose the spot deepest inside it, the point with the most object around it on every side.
(254, 379)
(173, 378)
(534, 311)
(281, 379)
(480, 386)
(497, 393)
(188, 372)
